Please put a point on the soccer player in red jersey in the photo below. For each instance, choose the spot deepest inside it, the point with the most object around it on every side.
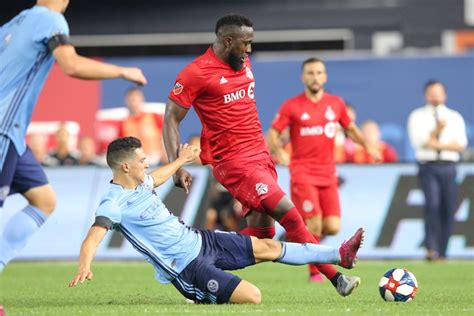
(312, 117)
(220, 85)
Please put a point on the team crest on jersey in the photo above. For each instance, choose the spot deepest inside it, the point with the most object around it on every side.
(178, 88)
(308, 206)
(329, 115)
(249, 73)
(213, 285)
(305, 116)
(261, 188)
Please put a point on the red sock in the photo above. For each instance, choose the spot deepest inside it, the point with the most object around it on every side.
(259, 232)
(328, 270)
(313, 269)
(296, 231)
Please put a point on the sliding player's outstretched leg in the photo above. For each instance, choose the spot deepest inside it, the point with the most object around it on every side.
(300, 254)
(282, 209)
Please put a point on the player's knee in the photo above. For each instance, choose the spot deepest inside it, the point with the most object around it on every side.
(315, 230)
(48, 204)
(314, 225)
(254, 295)
(43, 198)
(330, 231)
(278, 205)
(331, 227)
(246, 293)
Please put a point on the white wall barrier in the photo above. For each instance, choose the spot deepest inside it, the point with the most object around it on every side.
(78, 191)
(385, 200)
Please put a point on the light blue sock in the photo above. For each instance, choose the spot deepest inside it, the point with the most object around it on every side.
(17, 232)
(299, 254)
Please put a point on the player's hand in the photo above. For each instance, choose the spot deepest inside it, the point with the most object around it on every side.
(374, 153)
(134, 75)
(81, 276)
(188, 153)
(283, 158)
(183, 179)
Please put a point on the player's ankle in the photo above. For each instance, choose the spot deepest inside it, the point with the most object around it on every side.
(335, 278)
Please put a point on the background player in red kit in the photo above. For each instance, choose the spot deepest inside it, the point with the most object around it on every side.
(312, 118)
(220, 86)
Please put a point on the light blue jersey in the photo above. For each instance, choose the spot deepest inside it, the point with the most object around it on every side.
(146, 223)
(25, 61)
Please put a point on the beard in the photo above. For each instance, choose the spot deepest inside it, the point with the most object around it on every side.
(314, 90)
(235, 62)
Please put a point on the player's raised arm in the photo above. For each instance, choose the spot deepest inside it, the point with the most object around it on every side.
(186, 154)
(88, 249)
(81, 67)
(174, 114)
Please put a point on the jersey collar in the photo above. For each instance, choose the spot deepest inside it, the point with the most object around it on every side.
(305, 97)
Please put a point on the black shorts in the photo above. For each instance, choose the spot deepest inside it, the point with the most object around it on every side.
(204, 280)
(18, 173)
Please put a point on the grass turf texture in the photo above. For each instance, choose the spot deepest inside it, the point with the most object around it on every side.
(128, 288)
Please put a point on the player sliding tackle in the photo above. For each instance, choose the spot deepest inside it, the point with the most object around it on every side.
(220, 86)
(192, 260)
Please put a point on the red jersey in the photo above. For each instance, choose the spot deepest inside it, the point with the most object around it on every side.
(312, 132)
(225, 103)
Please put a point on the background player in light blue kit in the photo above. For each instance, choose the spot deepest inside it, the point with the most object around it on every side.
(192, 260)
(29, 44)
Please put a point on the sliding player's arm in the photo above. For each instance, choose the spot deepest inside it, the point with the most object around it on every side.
(186, 154)
(88, 250)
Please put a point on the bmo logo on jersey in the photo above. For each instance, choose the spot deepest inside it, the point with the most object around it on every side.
(240, 94)
(329, 130)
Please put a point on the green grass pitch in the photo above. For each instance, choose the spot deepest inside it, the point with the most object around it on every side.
(129, 288)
